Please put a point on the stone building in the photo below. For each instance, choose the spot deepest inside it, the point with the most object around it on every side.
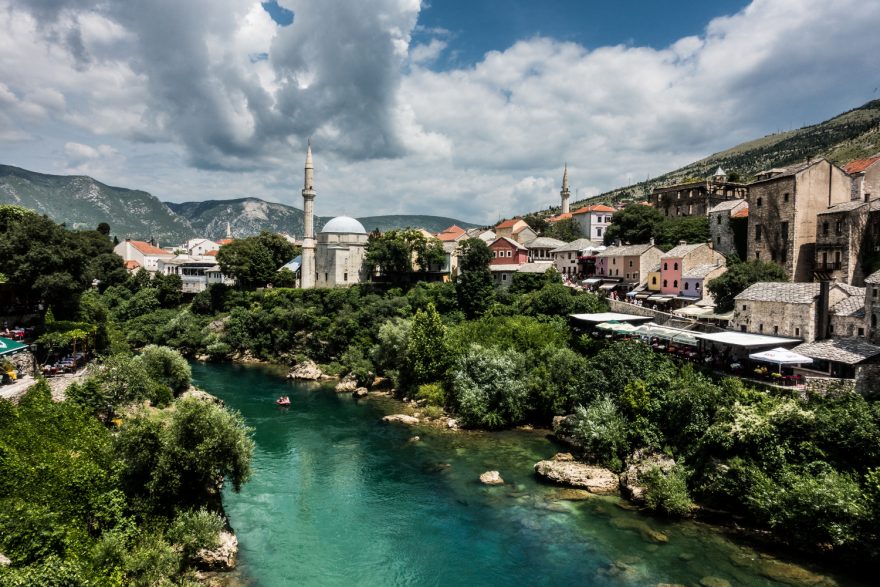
(516, 229)
(872, 307)
(539, 249)
(630, 263)
(783, 205)
(797, 310)
(340, 252)
(722, 218)
(845, 237)
(576, 258)
(865, 174)
(696, 198)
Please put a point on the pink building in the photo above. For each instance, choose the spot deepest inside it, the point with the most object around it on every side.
(506, 251)
(679, 260)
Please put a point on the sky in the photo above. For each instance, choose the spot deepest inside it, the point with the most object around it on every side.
(461, 108)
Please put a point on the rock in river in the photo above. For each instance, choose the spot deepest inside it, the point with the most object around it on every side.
(401, 418)
(565, 470)
(639, 463)
(491, 478)
(306, 371)
(221, 558)
(347, 385)
(360, 392)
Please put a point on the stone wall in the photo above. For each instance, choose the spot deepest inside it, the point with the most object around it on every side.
(776, 319)
(828, 385)
(24, 362)
(721, 230)
(868, 381)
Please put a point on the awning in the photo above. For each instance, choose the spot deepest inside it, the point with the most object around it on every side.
(592, 281)
(624, 328)
(692, 311)
(746, 339)
(687, 339)
(643, 295)
(8, 346)
(608, 286)
(606, 325)
(781, 356)
(660, 298)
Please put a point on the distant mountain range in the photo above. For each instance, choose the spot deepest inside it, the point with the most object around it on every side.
(248, 216)
(852, 135)
(82, 202)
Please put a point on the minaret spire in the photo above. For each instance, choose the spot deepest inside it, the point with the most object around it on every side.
(307, 268)
(565, 193)
(228, 230)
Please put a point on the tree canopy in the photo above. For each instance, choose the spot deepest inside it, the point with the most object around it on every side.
(398, 254)
(254, 261)
(473, 285)
(739, 276)
(638, 223)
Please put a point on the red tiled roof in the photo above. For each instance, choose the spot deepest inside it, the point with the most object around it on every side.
(595, 208)
(450, 234)
(132, 264)
(744, 213)
(859, 165)
(225, 241)
(558, 217)
(211, 254)
(508, 223)
(147, 248)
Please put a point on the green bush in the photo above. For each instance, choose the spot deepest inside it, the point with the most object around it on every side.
(488, 388)
(432, 393)
(667, 493)
(193, 530)
(166, 366)
(601, 431)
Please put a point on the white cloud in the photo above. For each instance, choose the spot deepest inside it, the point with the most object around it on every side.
(182, 90)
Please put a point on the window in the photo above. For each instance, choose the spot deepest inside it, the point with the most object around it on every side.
(757, 256)
(861, 332)
(837, 260)
(690, 209)
(760, 328)
(599, 231)
(718, 219)
(873, 320)
(717, 240)
(742, 328)
(675, 266)
(504, 277)
(759, 202)
(784, 228)
(745, 307)
(785, 197)
(326, 277)
(757, 233)
(608, 219)
(510, 253)
(345, 277)
(654, 280)
(797, 331)
(665, 266)
(838, 227)
(675, 283)
(825, 228)
(775, 330)
(665, 283)
(697, 285)
(687, 285)
(678, 210)
(630, 263)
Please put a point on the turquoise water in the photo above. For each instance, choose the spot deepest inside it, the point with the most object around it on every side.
(338, 498)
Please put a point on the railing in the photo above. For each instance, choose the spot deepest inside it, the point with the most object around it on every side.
(835, 266)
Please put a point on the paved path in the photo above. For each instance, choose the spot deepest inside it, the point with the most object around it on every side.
(17, 389)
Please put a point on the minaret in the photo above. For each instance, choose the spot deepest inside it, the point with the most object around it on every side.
(307, 268)
(228, 231)
(565, 193)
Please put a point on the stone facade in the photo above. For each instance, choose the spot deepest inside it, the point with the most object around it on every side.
(576, 257)
(720, 226)
(845, 235)
(783, 205)
(696, 198)
(630, 263)
(872, 307)
(339, 258)
(865, 175)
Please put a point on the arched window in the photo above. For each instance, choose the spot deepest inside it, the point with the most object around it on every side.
(687, 285)
(665, 266)
(675, 266)
(675, 283)
(664, 283)
(654, 280)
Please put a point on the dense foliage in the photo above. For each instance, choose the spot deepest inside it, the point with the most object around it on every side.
(399, 254)
(637, 224)
(254, 261)
(739, 276)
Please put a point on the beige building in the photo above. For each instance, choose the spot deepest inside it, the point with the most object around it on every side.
(576, 257)
(516, 229)
(865, 174)
(339, 255)
(783, 205)
(539, 248)
(630, 263)
(796, 310)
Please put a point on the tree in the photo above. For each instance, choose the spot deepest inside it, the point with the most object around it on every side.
(253, 261)
(169, 289)
(738, 277)
(601, 431)
(398, 254)
(635, 224)
(166, 366)
(566, 230)
(473, 286)
(691, 229)
(489, 388)
(528, 282)
(427, 357)
(104, 229)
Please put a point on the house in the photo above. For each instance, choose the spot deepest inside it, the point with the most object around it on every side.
(452, 234)
(846, 357)
(147, 255)
(516, 229)
(696, 198)
(594, 221)
(798, 310)
(726, 222)
(783, 206)
(845, 234)
(539, 249)
(576, 258)
(503, 274)
(629, 263)
(196, 272)
(865, 176)
(654, 280)
(682, 259)
(847, 317)
(506, 251)
(695, 280)
(200, 246)
(484, 234)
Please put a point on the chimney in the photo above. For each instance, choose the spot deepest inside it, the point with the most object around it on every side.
(652, 241)
(682, 242)
(822, 317)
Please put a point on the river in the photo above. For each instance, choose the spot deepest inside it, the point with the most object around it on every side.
(338, 498)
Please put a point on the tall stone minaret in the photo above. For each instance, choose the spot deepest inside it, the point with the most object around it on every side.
(307, 269)
(565, 193)
(228, 231)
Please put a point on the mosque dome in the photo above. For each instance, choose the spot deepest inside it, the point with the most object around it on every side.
(344, 225)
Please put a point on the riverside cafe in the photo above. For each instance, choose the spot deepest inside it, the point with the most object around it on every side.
(605, 322)
(9, 347)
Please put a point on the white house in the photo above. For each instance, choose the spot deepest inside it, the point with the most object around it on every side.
(140, 254)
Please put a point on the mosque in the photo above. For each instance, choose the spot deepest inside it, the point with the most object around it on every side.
(336, 257)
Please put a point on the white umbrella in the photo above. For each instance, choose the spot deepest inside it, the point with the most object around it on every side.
(781, 356)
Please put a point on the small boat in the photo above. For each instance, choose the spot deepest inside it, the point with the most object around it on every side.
(283, 401)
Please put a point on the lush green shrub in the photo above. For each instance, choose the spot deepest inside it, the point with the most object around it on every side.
(426, 355)
(432, 393)
(667, 493)
(357, 364)
(488, 388)
(152, 561)
(193, 530)
(393, 336)
(166, 366)
(601, 431)
(555, 379)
